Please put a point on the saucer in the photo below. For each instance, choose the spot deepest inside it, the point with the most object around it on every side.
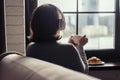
(92, 64)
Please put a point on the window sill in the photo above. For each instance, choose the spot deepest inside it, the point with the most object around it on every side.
(106, 66)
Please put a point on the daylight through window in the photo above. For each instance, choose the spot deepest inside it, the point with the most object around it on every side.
(91, 17)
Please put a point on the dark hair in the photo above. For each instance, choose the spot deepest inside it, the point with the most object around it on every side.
(45, 23)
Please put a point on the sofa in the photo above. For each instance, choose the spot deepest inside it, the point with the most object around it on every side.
(16, 66)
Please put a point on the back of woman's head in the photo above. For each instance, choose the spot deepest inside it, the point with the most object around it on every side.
(45, 23)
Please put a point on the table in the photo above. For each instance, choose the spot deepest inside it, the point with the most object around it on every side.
(108, 71)
(106, 66)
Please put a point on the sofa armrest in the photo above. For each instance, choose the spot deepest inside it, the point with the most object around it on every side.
(8, 53)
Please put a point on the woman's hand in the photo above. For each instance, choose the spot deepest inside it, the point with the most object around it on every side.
(83, 40)
(78, 40)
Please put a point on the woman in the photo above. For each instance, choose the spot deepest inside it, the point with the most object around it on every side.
(46, 24)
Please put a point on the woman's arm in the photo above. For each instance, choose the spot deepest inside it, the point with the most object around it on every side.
(84, 57)
(79, 42)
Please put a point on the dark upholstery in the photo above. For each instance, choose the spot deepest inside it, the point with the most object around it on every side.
(18, 67)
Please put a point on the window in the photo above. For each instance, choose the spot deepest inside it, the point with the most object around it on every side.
(98, 19)
(91, 17)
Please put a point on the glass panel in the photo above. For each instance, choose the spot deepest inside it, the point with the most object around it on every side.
(70, 27)
(63, 5)
(96, 5)
(99, 28)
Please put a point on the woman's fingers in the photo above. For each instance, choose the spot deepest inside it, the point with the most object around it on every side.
(83, 40)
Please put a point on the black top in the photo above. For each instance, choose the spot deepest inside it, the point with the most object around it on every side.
(62, 54)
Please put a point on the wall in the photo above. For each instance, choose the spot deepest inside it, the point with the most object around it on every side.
(15, 25)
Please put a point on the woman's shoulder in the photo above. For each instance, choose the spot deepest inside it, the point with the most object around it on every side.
(33, 45)
(68, 45)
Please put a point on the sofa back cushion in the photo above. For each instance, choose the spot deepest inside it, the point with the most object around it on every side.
(19, 67)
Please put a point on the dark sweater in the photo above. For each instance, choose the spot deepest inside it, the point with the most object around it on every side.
(62, 54)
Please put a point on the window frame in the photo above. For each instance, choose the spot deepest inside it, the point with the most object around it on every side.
(2, 28)
(30, 5)
(108, 55)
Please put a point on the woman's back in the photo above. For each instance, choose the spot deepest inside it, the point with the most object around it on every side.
(62, 54)
(46, 25)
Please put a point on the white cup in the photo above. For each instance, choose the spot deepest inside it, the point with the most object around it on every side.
(76, 38)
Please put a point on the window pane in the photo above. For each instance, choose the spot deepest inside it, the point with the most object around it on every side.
(96, 5)
(64, 5)
(70, 27)
(99, 28)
